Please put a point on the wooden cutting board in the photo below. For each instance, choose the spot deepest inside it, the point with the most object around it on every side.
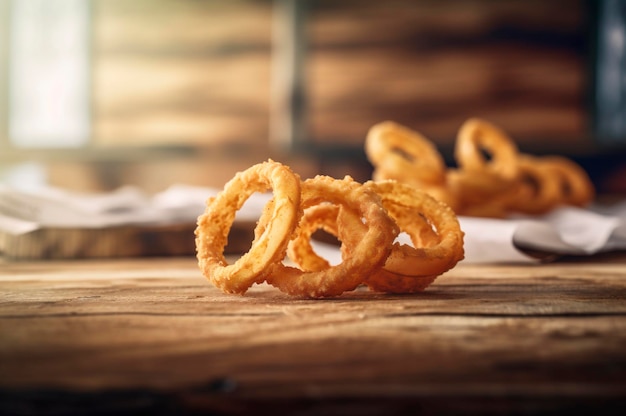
(114, 242)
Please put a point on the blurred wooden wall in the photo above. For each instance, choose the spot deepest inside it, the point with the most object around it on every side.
(185, 72)
(432, 64)
(198, 73)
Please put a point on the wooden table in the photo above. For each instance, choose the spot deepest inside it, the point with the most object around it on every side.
(152, 336)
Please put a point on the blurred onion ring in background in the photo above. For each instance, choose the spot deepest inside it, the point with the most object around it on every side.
(491, 179)
(574, 183)
(476, 136)
(398, 151)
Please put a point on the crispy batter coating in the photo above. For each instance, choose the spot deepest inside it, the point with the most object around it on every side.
(369, 253)
(269, 245)
(437, 239)
(436, 236)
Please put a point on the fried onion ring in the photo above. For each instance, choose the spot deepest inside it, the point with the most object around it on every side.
(481, 194)
(491, 179)
(540, 189)
(550, 181)
(576, 187)
(477, 135)
(317, 217)
(432, 226)
(401, 153)
(369, 253)
(270, 243)
(411, 269)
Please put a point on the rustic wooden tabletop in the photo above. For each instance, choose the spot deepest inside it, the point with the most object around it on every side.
(152, 336)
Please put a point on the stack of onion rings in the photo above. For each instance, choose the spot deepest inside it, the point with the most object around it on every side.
(506, 182)
(366, 218)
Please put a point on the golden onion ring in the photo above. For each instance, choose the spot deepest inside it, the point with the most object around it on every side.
(476, 135)
(269, 246)
(407, 268)
(403, 154)
(369, 253)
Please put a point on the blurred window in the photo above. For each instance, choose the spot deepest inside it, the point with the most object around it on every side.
(611, 68)
(197, 73)
(140, 72)
(49, 73)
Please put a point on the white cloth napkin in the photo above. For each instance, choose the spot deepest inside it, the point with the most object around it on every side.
(564, 231)
(24, 211)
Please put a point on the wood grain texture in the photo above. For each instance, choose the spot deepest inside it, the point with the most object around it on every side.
(199, 72)
(433, 64)
(52, 243)
(492, 339)
(186, 72)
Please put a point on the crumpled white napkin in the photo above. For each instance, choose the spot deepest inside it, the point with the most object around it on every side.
(564, 231)
(23, 211)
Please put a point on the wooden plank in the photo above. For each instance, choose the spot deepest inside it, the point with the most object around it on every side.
(185, 72)
(420, 63)
(97, 331)
(139, 241)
